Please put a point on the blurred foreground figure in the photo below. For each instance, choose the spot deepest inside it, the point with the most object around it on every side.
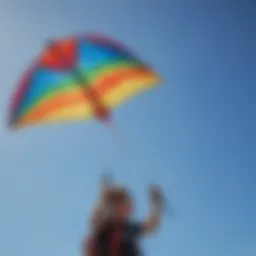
(112, 231)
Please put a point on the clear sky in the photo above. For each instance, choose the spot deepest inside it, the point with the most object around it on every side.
(195, 135)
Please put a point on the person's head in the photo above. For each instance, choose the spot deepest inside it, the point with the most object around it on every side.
(121, 204)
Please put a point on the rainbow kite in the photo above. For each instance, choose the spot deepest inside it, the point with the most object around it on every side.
(78, 78)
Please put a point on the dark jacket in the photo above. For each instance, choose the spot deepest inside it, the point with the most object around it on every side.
(120, 239)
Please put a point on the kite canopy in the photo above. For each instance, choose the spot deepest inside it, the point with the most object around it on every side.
(78, 78)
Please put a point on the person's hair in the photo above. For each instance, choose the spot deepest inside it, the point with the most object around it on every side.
(119, 195)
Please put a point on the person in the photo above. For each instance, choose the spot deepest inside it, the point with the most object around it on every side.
(112, 231)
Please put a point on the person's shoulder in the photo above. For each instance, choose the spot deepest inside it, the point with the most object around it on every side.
(134, 226)
(133, 223)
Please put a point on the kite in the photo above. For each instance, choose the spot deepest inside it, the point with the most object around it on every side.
(78, 78)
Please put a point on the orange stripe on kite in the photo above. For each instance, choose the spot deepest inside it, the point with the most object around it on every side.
(65, 99)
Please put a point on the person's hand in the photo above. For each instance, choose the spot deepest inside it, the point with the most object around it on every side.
(106, 187)
(106, 179)
(155, 195)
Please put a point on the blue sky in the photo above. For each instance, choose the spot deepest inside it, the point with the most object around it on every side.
(195, 135)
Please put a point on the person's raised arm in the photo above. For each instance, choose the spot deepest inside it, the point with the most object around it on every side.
(100, 211)
(155, 213)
